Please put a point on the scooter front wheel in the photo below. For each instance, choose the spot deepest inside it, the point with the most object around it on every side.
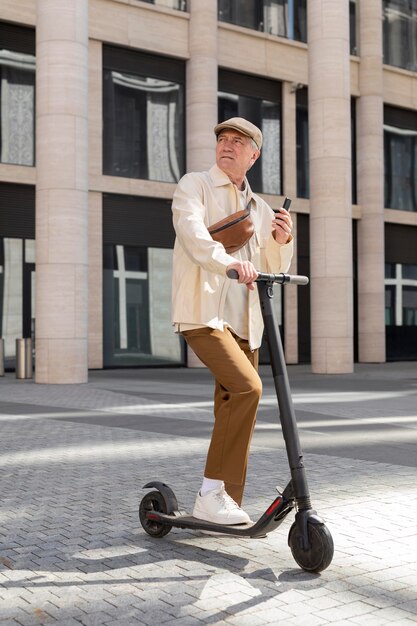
(320, 553)
(153, 501)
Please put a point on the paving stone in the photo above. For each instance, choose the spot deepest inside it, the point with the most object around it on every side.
(74, 551)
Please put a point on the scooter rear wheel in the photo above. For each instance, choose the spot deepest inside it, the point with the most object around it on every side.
(153, 501)
(319, 555)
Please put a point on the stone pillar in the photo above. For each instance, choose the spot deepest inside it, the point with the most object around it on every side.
(290, 190)
(370, 177)
(61, 191)
(202, 81)
(95, 201)
(330, 187)
(201, 97)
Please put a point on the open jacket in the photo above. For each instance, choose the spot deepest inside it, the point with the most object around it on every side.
(199, 281)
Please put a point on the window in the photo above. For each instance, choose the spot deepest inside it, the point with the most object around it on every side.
(137, 297)
(400, 33)
(258, 100)
(143, 110)
(400, 291)
(353, 27)
(284, 18)
(400, 158)
(17, 293)
(138, 237)
(179, 5)
(353, 150)
(400, 294)
(303, 171)
(17, 95)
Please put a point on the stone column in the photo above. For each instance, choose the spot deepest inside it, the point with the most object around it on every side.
(201, 97)
(290, 190)
(61, 191)
(330, 187)
(370, 177)
(95, 201)
(202, 81)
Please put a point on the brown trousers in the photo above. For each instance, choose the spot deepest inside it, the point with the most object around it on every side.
(236, 397)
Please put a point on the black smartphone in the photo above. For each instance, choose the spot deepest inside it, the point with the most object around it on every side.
(285, 205)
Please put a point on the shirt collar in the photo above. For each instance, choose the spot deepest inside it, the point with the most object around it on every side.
(219, 179)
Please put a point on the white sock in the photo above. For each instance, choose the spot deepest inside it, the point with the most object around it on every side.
(210, 484)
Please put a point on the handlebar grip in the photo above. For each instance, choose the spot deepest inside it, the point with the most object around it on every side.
(294, 279)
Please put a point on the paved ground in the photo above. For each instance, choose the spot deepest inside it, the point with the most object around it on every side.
(74, 460)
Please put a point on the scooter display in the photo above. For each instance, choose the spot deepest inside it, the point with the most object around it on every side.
(309, 539)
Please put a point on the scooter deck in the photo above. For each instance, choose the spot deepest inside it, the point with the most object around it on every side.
(184, 520)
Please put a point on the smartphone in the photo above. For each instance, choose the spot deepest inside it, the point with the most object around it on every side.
(286, 205)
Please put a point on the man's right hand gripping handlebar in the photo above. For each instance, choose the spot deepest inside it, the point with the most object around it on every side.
(232, 271)
(245, 272)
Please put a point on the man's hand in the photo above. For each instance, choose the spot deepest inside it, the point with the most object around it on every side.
(282, 226)
(247, 272)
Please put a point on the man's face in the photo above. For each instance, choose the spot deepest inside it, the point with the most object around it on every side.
(235, 153)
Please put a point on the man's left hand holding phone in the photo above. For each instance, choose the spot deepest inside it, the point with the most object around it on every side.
(282, 223)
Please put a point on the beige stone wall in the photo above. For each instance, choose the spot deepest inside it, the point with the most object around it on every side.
(197, 38)
(19, 11)
(145, 26)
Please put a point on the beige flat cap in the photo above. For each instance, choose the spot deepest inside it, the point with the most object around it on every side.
(243, 126)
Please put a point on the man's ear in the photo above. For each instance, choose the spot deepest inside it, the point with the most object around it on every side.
(254, 158)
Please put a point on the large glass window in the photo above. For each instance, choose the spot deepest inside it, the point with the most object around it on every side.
(17, 293)
(400, 33)
(137, 307)
(138, 238)
(17, 95)
(400, 158)
(284, 18)
(401, 291)
(258, 100)
(143, 110)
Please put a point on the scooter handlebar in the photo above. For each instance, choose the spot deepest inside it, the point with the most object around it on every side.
(282, 278)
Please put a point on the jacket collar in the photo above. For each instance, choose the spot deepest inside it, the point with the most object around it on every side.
(219, 179)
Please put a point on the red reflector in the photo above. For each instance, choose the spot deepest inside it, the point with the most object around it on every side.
(152, 516)
(273, 506)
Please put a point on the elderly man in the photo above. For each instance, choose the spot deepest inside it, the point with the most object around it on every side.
(220, 318)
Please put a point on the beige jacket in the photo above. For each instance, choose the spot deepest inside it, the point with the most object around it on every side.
(199, 281)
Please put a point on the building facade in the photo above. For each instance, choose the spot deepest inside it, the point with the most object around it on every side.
(105, 104)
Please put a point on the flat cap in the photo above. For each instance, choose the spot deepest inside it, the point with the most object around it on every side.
(243, 126)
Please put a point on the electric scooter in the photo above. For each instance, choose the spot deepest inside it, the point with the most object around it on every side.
(309, 539)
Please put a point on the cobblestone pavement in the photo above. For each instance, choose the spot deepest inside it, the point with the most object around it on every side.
(74, 459)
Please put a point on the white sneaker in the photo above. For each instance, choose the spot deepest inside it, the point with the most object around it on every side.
(220, 508)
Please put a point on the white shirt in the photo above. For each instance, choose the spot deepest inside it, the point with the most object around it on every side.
(237, 299)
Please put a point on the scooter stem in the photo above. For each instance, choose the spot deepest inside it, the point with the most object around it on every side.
(287, 414)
